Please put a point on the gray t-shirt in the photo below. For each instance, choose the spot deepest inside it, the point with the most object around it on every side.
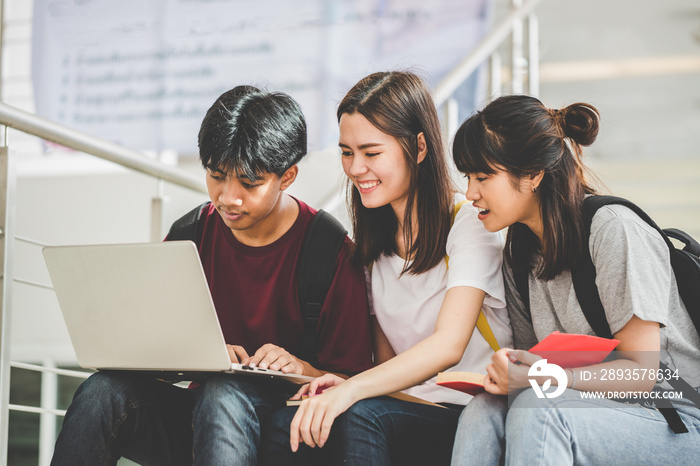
(634, 277)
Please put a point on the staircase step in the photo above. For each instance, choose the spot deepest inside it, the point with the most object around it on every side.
(669, 190)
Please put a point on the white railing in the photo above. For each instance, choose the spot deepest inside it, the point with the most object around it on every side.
(48, 381)
(523, 69)
(31, 124)
(524, 62)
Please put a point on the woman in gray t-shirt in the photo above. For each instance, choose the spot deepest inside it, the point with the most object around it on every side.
(525, 172)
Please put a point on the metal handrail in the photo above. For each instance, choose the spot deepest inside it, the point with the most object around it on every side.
(69, 137)
(449, 84)
(33, 283)
(49, 370)
(35, 410)
(52, 370)
(31, 241)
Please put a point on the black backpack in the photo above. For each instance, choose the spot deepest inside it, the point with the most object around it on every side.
(316, 266)
(686, 268)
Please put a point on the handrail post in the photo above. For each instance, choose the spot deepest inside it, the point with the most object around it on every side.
(7, 216)
(517, 69)
(533, 46)
(158, 213)
(450, 118)
(47, 421)
(496, 85)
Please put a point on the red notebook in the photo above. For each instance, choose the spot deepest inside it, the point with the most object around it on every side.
(467, 382)
(562, 349)
(574, 350)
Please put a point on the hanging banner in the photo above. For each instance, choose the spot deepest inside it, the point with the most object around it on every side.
(142, 73)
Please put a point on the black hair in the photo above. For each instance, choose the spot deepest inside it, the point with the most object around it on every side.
(399, 103)
(252, 132)
(518, 134)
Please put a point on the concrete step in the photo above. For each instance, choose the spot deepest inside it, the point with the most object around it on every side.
(669, 190)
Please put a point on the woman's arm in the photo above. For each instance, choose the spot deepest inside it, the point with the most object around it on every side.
(638, 359)
(441, 350)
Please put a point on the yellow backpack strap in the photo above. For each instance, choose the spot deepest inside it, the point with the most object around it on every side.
(456, 209)
(481, 323)
(452, 221)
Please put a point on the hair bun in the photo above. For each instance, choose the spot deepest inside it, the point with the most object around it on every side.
(581, 123)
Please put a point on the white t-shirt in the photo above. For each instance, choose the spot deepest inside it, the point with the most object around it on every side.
(407, 306)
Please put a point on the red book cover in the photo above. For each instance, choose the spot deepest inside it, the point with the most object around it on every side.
(574, 350)
(467, 382)
(562, 349)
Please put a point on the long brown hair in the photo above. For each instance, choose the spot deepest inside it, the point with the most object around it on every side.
(400, 104)
(521, 135)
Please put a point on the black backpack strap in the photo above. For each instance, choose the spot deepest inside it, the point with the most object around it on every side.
(686, 267)
(672, 417)
(316, 270)
(691, 246)
(583, 275)
(681, 386)
(520, 277)
(666, 408)
(187, 226)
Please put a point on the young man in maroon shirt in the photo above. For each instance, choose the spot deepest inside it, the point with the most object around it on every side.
(249, 241)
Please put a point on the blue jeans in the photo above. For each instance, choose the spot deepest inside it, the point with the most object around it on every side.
(275, 449)
(155, 423)
(571, 430)
(376, 431)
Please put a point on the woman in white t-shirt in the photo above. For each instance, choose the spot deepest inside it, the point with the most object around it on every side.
(429, 279)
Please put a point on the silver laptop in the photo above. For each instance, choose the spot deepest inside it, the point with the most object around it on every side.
(142, 307)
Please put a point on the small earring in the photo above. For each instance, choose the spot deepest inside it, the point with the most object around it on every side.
(534, 190)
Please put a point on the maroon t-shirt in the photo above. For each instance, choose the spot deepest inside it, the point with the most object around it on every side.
(255, 293)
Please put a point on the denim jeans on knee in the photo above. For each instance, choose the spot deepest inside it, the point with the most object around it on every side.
(275, 449)
(118, 414)
(155, 423)
(382, 431)
(480, 438)
(571, 430)
(227, 418)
